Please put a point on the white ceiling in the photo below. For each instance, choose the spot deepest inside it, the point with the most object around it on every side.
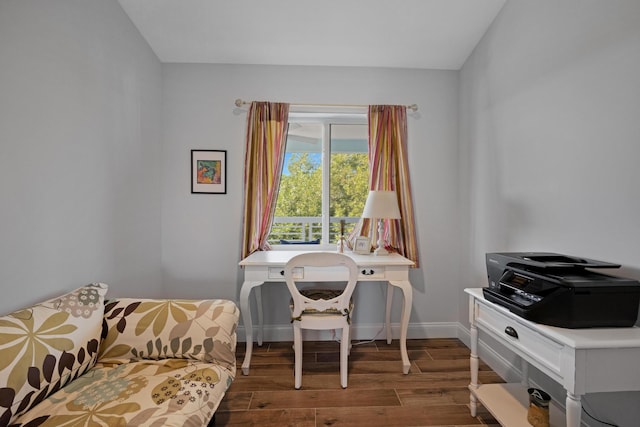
(435, 34)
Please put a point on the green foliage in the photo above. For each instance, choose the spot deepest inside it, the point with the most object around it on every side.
(301, 194)
(349, 184)
(301, 190)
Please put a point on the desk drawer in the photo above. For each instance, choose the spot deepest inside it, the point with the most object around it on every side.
(278, 273)
(364, 273)
(371, 273)
(533, 346)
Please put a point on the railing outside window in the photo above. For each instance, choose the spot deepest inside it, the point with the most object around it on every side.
(307, 228)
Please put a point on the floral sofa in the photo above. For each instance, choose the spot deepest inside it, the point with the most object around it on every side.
(78, 360)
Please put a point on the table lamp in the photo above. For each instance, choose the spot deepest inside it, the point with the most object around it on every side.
(381, 205)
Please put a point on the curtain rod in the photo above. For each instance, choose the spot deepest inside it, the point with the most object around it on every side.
(413, 107)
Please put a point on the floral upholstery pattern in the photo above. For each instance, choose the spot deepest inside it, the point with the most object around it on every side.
(159, 329)
(154, 393)
(46, 346)
(161, 363)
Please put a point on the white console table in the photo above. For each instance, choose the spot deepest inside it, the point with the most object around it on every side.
(581, 360)
(268, 267)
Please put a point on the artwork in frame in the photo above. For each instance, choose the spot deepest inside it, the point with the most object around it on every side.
(209, 171)
(362, 245)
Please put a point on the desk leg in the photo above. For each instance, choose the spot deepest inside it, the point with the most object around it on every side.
(387, 319)
(407, 303)
(245, 310)
(574, 409)
(260, 334)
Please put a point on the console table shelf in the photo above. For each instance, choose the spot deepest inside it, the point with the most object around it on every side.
(508, 403)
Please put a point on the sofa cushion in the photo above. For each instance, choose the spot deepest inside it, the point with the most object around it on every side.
(45, 346)
(152, 393)
(158, 329)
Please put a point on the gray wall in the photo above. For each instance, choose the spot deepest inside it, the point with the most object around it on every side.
(549, 143)
(201, 233)
(80, 147)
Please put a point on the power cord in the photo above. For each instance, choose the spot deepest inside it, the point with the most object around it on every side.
(377, 335)
(600, 421)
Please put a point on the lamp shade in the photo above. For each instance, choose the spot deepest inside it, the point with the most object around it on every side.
(381, 204)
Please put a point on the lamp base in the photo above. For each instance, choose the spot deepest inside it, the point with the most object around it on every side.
(380, 250)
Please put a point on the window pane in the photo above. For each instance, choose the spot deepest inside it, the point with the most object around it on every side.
(300, 196)
(303, 212)
(349, 176)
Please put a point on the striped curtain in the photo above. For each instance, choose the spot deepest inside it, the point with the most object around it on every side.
(389, 170)
(264, 158)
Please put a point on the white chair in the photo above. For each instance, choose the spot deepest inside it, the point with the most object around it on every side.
(321, 309)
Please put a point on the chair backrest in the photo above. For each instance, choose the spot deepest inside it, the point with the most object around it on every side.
(327, 260)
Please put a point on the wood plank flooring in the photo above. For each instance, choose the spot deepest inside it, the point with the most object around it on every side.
(434, 393)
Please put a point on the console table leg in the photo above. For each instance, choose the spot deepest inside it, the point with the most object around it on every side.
(574, 410)
(474, 363)
(524, 369)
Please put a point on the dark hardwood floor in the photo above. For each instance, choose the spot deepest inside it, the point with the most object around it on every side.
(434, 393)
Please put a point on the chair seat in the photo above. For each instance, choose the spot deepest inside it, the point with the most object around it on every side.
(325, 294)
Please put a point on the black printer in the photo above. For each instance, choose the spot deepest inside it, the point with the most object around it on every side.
(561, 290)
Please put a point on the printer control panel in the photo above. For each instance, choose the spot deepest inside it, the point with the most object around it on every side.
(522, 289)
(524, 298)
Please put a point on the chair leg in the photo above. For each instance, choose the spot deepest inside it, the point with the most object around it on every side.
(345, 344)
(297, 350)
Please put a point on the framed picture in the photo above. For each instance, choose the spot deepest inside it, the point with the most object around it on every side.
(209, 171)
(362, 245)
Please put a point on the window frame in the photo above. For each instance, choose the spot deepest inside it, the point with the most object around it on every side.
(347, 116)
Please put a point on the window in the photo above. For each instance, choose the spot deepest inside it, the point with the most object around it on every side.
(325, 178)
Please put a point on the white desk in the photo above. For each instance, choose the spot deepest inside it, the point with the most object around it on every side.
(581, 360)
(268, 266)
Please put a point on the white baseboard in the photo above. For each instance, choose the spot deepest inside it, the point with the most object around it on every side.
(360, 332)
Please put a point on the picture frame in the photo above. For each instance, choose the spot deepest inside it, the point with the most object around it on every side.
(209, 171)
(362, 245)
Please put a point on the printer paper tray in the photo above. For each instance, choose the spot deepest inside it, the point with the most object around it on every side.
(505, 301)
